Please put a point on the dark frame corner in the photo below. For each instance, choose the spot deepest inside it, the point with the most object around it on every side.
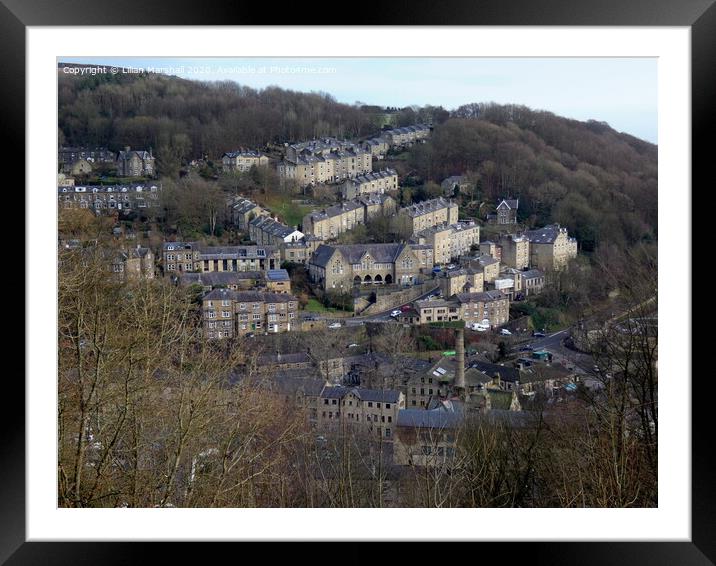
(700, 15)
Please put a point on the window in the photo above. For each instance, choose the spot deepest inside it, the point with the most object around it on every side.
(225, 314)
(370, 404)
(225, 303)
(387, 405)
(211, 314)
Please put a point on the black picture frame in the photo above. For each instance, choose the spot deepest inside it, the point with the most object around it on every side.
(699, 15)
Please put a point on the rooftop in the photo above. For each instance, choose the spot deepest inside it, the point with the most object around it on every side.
(382, 253)
(427, 207)
(248, 296)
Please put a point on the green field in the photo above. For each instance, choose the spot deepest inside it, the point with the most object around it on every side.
(314, 305)
(290, 213)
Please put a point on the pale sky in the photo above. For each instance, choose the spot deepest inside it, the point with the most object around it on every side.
(619, 91)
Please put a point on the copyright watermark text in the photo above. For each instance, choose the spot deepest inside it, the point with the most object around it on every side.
(184, 70)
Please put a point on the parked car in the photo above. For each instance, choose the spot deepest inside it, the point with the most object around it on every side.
(334, 325)
(352, 346)
(405, 308)
(526, 348)
(505, 332)
(395, 313)
(480, 327)
(539, 334)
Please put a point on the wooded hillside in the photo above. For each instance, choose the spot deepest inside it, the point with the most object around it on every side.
(598, 182)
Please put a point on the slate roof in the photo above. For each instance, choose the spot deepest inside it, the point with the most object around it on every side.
(248, 296)
(509, 374)
(457, 227)
(486, 260)
(372, 176)
(244, 205)
(435, 303)
(546, 235)
(174, 246)
(445, 368)
(485, 297)
(277, 275)
(381, 253)
(512, 204)
(335, 210)
(373, 198)
(434, 418)
(531, 274)
(427, 206)
(377, 395)
(236, 252)
(243, 153)
(219, 278)
(322, 255)
(272, 226)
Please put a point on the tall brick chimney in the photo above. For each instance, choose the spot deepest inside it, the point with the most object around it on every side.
(460, 359)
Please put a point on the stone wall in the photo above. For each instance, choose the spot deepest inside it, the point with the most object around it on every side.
(388, 300)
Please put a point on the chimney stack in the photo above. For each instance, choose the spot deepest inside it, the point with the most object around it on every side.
(460, 359)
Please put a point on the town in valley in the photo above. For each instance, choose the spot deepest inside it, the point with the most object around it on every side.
(351, 305)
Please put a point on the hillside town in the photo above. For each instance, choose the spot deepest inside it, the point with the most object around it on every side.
(441, 273)
(371, 306)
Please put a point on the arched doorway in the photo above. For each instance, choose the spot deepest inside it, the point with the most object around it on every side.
(378, 279)
(367, 279)
(388, 279)
(356, 280)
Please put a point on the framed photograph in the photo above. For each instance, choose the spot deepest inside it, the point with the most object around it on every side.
(389, 281)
